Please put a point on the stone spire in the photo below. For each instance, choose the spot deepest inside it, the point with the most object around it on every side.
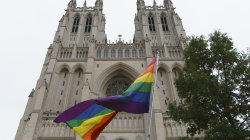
(154, 3)
(85, 4)
(72, 4)
(168, 3)
(99, 3)
(140, 3)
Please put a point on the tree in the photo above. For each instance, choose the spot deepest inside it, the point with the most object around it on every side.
(214, 87)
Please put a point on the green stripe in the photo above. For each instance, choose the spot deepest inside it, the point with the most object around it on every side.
(76, 123)
(139, 87)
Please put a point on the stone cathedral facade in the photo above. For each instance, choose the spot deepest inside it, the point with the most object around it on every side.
(82, 64)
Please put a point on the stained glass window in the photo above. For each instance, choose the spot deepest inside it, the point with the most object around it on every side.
(117, 87)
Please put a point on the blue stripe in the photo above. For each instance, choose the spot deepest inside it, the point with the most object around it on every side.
(90, 112)
(139, 97)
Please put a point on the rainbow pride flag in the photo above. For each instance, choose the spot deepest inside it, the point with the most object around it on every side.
(87, 119)
(90, 117)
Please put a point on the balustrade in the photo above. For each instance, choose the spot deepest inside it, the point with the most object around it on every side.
(121, 122)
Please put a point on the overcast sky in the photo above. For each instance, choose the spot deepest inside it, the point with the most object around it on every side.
(27, 29)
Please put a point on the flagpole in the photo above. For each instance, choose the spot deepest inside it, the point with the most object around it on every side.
(152, 98)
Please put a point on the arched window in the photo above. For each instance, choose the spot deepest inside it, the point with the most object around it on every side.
(117, 87)
(151, 23)
(175, 72)
(179, 53)
(155, 53)
(98, 53)
(127, 53)
(106, 53)
(88, 24)
(87, 54)
(70, 54)
(164, 23)
(162, 53)
(169, 53)
(119, 53)
(80, 54)
(141, 53)
(112, 53)
(79, 75)
(75, 24)
(67, 55)
(83, 54)
(77, 54)
(134, 54)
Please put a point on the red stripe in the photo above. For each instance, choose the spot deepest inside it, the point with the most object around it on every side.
(152, 62)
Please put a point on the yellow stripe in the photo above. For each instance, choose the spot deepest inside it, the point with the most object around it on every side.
(148, 77)
(88, 124)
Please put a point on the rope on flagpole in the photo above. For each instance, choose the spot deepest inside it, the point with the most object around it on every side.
(152, 97)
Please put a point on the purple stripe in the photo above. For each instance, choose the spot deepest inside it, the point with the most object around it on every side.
(138, 108)
(111, 102)
(74, 111)
(119, 105)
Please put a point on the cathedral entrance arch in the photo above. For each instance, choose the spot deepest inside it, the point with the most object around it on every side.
(115, 79)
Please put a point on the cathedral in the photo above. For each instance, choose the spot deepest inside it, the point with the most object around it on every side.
(82, 64)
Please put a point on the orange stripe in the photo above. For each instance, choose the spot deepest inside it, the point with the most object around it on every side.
(94, 132)
(149, 69)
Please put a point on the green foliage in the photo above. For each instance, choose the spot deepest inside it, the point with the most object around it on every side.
(215, 87)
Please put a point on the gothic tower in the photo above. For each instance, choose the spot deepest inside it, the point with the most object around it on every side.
(80, 64)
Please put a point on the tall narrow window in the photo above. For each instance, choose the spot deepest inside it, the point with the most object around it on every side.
(119, 53)
(151, 23)
(67, 55)
(179, 53)
(75, 24)
(127, 53)
(70, 54)
(164, 23)
(98, 53)
(141, 53)
(162, 53)
(88, 24)
(79, 75)
(166, 102)
(64, 55)
(134, 54)
(87, 54)
(60, 102)
(112, 53)
(106, 53)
